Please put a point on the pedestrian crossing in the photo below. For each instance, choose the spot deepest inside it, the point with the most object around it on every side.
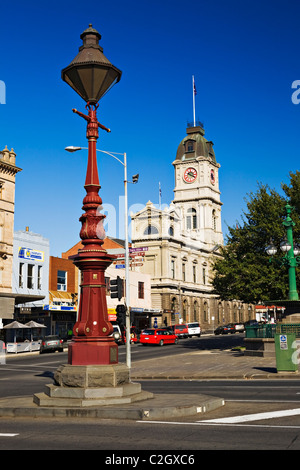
(254, 417)
(240, 420)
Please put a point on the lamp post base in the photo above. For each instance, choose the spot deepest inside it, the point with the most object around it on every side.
(97, 376)
(91, 386)
(95, 351)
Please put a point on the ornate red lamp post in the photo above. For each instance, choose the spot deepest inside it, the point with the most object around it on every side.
(91, 75)
(92, 376)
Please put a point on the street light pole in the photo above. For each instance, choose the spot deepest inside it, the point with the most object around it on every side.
(93, 376)
(92, 75)
(127, 299)
(127, 285)
(291, 259)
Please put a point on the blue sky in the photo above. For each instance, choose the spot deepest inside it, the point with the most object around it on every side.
(244, 56)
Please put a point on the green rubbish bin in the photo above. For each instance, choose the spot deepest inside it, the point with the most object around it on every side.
(286, 352)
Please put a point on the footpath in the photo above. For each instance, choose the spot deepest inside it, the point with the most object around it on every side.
(190, 365)
(205, 364)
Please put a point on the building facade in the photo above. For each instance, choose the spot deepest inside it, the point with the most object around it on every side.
(30, 282)
(8, 171)
(63, 296)
(182, 240)
(142, 314)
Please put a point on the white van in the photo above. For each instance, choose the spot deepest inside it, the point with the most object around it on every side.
(194, 329)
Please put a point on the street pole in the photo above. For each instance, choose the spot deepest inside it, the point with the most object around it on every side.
(292, 262)
(127, 285)
(127, 300)
(291, 258)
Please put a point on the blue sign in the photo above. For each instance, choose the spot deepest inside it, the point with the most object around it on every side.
(120, 266)
(33, 255)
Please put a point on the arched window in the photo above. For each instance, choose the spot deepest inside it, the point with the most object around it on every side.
(235, 313)
(189, 146)
(173, 268)
(174, 305)
(220, 313)
(205, 311)
(191, 219)
(195, 311)
(171, 231)
(151, 230)
(184, 310)
(214, 220)
(174, 308)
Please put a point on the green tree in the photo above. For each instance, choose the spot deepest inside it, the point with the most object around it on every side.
(293, 194)
(244, 271)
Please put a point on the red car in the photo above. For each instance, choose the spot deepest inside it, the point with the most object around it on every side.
(181, 330)
(159, 336)
(133, 335)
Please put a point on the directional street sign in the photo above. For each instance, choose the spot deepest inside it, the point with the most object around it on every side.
(140, 248)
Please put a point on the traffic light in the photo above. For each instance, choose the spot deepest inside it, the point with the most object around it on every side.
(116, 288)
(121, 314)
(135, 178)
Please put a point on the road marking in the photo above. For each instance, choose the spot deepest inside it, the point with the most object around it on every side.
(205, 423)
(7, 434)
(254, 417)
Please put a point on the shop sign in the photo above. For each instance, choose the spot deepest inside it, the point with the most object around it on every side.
(25, 309)
(31, 255)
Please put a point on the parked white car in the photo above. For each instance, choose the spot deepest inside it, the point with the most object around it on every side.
(194, 329)
(239, 327)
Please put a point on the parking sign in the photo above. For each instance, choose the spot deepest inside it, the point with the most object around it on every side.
(283, 341)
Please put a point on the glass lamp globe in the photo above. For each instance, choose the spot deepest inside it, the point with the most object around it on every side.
(271, 250)
(296, 250)
(285, 246)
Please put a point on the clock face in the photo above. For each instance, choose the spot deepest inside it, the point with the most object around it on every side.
(212, 176)
(190, 175)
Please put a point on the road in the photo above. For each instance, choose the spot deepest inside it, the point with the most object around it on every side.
(228, 428)
(264, 391)
(25, 375)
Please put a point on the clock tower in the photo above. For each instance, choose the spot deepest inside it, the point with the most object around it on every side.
(180, 242)
(196, 193)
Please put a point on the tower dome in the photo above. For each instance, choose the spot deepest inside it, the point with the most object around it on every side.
(195, 145)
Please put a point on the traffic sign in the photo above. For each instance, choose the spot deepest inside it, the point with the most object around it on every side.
(137, 253)
(283, 342)
(140, 248)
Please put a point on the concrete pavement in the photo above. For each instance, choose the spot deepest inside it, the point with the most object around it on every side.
(191, 365)
(206, 364)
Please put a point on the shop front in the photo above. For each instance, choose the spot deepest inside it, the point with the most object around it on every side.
(63, 312)
(146, 318)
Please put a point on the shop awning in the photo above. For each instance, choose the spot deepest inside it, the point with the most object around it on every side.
(24, 298)
(59, 296)
(59, 300)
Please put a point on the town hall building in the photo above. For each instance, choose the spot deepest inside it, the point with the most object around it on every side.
(183, 239)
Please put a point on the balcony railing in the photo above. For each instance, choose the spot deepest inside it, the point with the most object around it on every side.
(197, 124)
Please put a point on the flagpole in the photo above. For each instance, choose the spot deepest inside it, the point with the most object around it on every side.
(159, 196)
(194, 111)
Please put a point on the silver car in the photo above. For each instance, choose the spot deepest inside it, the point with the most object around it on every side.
(51, 343)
